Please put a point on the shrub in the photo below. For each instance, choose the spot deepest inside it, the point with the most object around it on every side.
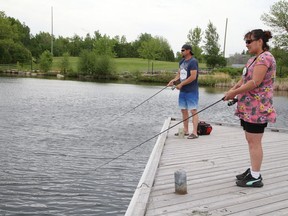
(99, 67)
(46, 60)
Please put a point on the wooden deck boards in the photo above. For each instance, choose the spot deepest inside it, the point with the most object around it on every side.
(211, 163)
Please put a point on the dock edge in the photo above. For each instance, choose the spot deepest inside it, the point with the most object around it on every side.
(139, 201)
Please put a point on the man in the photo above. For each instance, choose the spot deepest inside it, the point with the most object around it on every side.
(188, 86)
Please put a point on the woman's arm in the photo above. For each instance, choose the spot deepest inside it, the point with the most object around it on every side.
(259, 73)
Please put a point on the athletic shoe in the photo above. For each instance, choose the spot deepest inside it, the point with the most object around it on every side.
(249, 181)
(242, 176)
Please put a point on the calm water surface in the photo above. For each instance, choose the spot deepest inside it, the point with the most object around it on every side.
(54, 134)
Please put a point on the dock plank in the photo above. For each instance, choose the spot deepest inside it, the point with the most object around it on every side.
(211, 163)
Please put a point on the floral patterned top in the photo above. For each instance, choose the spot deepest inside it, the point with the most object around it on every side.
(256, 105)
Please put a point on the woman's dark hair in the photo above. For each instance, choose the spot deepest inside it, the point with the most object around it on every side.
(260, 34)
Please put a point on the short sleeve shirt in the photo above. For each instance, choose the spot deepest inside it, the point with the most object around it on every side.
(256, 105)
(185, 66)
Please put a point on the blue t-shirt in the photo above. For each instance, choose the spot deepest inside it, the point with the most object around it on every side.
(185, 68)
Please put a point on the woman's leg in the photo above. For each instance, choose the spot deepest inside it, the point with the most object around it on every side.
(255, 149)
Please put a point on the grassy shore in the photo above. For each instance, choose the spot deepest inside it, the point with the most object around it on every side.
(139, 70)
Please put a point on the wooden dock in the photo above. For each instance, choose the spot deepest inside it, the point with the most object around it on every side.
(211, 163)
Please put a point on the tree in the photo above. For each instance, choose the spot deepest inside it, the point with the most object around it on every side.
(212, 48)
(165, 52)
(75, 45)
(61, 46)
(122, 48)
(7, 31)
(150, 50)
(39, 43)
(194, 39)
(12, 49)
(282, 61)
(278, 20)
(46, 60)
(88, 43)
(138, 43)
(23, 31)
(103, 45)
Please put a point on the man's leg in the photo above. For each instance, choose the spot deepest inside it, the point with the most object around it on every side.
(194, 121)
(185, 115)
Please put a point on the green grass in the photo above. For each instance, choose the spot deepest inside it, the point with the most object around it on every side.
(123, 65)
(141, 65)
(72, 60)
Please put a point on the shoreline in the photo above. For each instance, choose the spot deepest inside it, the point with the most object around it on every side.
(205, 80)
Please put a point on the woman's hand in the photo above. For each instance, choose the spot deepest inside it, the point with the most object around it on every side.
(230, 95)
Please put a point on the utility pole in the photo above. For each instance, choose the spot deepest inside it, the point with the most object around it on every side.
(52, 31)
(225, 37)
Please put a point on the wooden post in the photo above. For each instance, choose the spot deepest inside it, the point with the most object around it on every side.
(180, 182)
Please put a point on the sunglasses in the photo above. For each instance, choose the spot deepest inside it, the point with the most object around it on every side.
(250, 41)
(183, 50)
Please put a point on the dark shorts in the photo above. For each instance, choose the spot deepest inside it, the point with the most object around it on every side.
(253, 128)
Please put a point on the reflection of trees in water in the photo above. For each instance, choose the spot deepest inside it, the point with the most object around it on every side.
(281, 93)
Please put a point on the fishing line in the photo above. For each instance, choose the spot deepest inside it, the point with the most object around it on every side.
(129, 150)
(139, 104)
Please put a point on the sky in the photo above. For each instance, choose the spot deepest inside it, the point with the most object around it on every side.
(170, 19)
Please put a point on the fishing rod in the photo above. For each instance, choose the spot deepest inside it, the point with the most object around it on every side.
(158, 134)
(140, 103)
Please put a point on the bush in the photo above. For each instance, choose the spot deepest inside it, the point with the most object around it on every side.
(99, 67)
(46, 60)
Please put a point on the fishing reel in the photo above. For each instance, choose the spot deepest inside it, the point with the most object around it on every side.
(175, 83)
(232, 102)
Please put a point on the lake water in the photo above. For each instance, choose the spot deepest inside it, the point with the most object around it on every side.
(55, 134)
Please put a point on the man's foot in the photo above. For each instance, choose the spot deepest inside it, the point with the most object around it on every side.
(185, 134)
(192, 136)
(249, 181)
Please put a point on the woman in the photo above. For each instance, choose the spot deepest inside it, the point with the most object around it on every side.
(255, 106)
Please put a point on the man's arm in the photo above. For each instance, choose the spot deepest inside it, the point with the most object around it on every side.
(191, 78)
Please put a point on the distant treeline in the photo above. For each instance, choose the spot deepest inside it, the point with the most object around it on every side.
(17, 44)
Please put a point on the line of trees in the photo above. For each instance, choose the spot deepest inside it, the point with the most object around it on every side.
(15, 38)
(18, 45)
